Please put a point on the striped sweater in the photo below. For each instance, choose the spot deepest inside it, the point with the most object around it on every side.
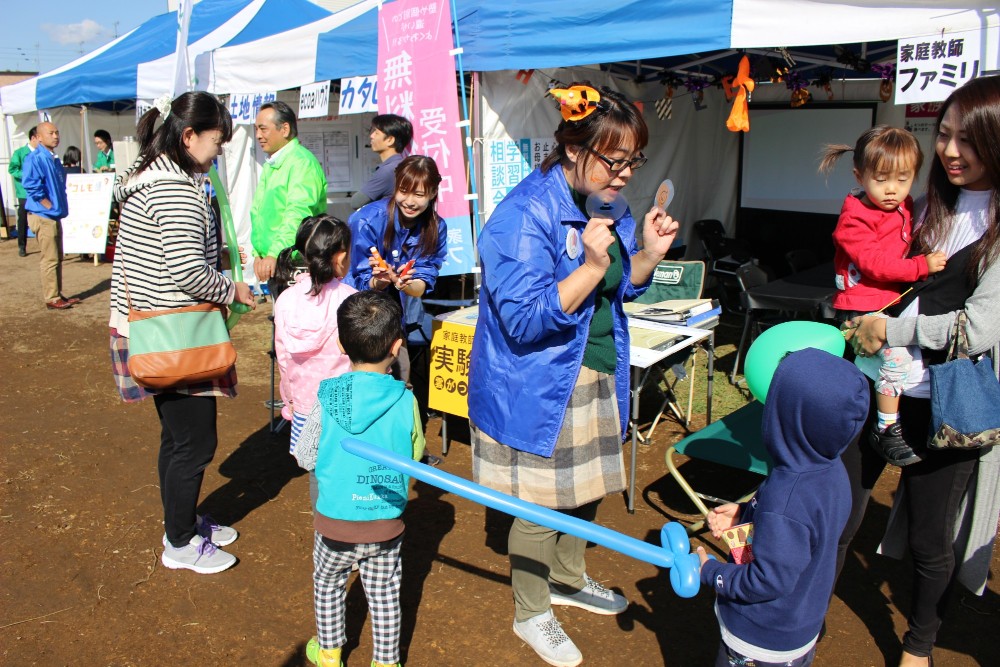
(168, 244)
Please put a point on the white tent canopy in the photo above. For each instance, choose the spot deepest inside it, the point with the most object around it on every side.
(766, 23)
(277, 62)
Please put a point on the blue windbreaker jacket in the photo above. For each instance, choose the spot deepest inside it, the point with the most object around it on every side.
(43, 178)
(368, 229)
(527, 352)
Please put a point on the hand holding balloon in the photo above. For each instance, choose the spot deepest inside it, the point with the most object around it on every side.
(244, 297)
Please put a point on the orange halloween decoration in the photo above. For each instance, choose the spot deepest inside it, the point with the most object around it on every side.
(576, 102)
(885, 90)
(800, 97)
(740, 87)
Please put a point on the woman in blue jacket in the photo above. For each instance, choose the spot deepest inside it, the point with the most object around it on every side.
(418, 233)
(548, 384)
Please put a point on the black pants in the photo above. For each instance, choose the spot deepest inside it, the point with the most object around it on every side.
(933, 490)
(22, 224)
(188, 440)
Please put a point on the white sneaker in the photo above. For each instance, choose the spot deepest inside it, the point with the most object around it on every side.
(545, 636)
(205, 526)
(593, 597)
(220, 536)
(199, 555)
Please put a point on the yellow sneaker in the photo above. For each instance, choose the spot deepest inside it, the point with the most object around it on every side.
(323, 657)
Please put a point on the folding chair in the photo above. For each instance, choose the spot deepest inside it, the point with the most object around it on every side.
(674, 280)
(749, 276)
(724, 255)
(734, 441)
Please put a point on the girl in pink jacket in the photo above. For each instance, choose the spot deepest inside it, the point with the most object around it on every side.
(305, 317)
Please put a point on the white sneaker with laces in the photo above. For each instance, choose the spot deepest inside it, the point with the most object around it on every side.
(545, 636)
(199, 555)
(593, 597)
(220, 536)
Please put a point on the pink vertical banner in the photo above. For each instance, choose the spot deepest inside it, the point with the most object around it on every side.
(416, 80)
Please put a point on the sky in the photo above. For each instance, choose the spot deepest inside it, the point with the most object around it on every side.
(41, 37)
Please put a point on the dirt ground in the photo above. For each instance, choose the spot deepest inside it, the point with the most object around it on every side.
(80, 526)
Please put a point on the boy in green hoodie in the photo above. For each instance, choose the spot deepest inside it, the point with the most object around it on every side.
(360, 503)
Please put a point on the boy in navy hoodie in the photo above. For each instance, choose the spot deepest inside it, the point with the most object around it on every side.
(360, 503)
(772, 596)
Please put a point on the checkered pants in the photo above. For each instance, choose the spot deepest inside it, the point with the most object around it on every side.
(381, 575)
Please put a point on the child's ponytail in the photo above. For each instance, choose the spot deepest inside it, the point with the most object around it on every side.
(832, 153)
(879, 148)
(320, 238)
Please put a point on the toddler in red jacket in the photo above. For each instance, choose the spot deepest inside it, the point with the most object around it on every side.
(872, 259)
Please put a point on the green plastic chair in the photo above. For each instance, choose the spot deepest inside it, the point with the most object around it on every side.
(674, 280)
(734, 441)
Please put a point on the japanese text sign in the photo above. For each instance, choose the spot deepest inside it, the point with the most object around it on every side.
(507, 162)
(359, 94)
(314, 100)
(929, 68)
(451, 350)
(243, 107)
(416, 73)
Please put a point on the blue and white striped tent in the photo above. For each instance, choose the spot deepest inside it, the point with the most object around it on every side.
(140, 64)
(528, 34)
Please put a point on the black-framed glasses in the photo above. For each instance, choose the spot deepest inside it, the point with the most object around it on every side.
(618, 165)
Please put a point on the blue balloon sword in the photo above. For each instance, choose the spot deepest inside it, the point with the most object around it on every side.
(675, 554)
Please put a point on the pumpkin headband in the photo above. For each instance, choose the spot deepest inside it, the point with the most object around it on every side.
(576, 102)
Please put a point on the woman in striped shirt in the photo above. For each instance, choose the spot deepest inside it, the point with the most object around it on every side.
(168, 257)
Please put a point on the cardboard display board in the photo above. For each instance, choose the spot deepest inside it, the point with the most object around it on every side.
(85, 229)
(451, 350)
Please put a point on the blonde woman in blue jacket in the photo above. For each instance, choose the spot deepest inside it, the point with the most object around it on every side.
(548, 390)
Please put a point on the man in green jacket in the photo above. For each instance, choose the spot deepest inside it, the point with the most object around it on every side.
(292, 187)
(15, 168)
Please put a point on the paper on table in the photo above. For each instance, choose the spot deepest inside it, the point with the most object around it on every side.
(672, 310)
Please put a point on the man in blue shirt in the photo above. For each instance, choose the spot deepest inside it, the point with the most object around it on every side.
(45, 186)
(390, 135)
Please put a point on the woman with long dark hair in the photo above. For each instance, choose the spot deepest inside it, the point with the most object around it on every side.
(402, 228)
(947, 506)
(169, 256)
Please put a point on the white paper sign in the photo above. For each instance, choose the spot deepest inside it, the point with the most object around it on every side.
(359, 94)
(141, 107)
(243, 107)
(314, 100)
(930, 68)
(85, 229)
